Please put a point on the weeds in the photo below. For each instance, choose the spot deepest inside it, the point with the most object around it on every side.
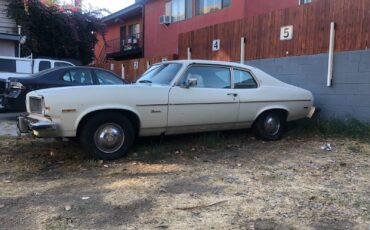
(58, 222)
(350, 128)
(210, 139)
(24, 177)
(355, 148)
(90, 164)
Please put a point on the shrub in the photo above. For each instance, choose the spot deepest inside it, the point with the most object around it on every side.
(56, 31)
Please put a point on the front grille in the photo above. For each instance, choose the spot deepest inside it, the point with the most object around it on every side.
(35, 105)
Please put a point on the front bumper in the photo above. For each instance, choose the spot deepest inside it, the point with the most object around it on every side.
(37, 126)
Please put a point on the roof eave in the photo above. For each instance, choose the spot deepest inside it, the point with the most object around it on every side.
(122, 12)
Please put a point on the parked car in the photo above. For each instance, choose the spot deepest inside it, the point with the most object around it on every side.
(170, 98)
(16, 89)
(23, 67)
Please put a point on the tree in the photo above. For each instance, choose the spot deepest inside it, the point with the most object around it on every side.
(56, 31)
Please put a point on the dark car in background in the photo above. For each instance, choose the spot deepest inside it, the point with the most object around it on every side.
(2, 91)
(16, 89)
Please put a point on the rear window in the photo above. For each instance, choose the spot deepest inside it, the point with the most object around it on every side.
(8, 66)
(106, 78)
(44, 65)
(61, 64)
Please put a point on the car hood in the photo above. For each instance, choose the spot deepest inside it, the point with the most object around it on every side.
(93, 88)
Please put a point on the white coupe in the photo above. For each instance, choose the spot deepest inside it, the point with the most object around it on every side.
(170, 98)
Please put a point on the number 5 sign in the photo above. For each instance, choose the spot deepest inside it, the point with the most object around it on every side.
(216, 45)
(286, 33)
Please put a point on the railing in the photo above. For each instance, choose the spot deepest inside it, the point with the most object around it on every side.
(122, 45)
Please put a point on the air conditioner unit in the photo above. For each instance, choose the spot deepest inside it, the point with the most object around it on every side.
(165, 20)
(134, 40)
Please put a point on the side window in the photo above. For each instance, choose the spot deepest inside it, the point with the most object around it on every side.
(44, 65)
(106, 78)
(61, 64)
(67, 77)
(8, 66)
(209, 77)
(244, 80)
(80, 77)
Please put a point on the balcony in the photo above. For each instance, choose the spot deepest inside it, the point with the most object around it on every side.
(131, 47)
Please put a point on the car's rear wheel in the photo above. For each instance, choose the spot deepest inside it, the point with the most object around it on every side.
(107, 136)
(270, 126)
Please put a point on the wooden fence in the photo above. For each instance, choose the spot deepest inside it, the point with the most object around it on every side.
(311, 32)
(133, 68)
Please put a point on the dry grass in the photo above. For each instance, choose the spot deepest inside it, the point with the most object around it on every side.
(188, 182)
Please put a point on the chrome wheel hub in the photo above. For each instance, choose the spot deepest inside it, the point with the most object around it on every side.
(272, 125)
(109, 138)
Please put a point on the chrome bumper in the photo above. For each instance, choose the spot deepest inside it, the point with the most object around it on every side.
(311, 112)
(39, 127)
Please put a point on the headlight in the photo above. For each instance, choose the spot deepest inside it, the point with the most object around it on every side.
(37, 105)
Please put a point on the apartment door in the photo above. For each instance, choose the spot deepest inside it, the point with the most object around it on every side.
(123, 40)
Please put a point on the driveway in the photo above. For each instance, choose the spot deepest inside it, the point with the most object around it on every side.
(8, 125)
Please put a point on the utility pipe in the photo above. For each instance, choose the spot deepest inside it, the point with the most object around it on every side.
(331, 55)
(243, 40)
(19, 43)
(123, 71)
(189, 53)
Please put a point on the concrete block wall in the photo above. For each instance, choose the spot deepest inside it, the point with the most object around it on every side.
(349, 95)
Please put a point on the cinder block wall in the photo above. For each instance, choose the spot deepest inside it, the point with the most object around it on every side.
(350, 94)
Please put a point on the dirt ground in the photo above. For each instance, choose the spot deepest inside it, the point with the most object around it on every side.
(205, 181)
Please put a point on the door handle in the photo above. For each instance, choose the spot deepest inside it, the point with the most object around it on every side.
(232, 94)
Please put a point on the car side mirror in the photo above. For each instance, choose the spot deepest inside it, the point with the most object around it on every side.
(192, 82)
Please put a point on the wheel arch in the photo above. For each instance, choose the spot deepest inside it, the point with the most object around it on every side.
(132, 116)
(283, 110)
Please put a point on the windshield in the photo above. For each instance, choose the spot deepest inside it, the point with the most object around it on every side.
(161, 74)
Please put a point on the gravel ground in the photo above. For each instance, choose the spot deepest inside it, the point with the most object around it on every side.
(206, 181)
(8, 125)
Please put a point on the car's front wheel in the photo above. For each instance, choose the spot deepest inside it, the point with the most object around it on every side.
(107, 136)
(270, 126)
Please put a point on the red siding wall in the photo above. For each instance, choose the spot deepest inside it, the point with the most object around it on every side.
(256, 7)
(162, 40)
(113, 32)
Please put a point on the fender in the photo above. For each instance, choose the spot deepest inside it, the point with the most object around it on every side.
(104, 107)
(272, 107)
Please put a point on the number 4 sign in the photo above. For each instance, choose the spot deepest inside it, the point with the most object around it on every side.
(216, 45)
(286, 33)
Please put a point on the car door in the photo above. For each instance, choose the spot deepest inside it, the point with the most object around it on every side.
(209, 105)
(246, 86)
